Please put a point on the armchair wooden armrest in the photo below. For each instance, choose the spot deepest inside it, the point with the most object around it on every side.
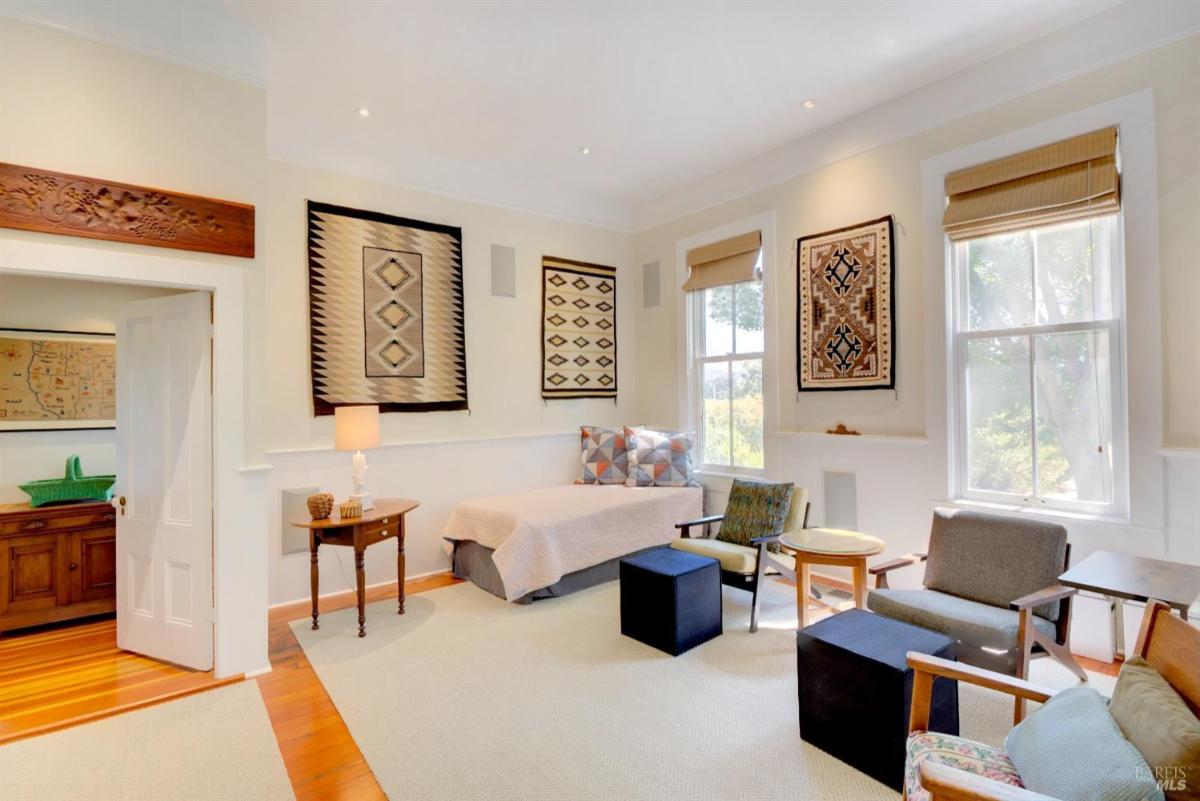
(926, 668)
(685, 528)
(765, 539)
(944, 783)
(880, 571)
(1049, 595)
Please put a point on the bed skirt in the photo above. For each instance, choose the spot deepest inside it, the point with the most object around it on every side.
(473, 562)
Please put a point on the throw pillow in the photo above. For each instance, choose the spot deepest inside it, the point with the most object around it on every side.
(658, 458)
(604, 457)
(1072, 749)
(755, 509)
(1159, 723)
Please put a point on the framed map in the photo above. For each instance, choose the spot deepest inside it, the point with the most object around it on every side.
(53, 380)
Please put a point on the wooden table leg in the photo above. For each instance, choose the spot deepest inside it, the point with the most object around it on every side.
(860, 584)
(360, 573)
(803, 590)
(314, 576)
(400, 567)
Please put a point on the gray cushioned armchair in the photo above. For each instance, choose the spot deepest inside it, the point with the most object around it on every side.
(991, 582)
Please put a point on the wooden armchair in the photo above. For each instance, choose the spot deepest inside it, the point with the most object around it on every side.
(745, 566)
(1167, 643)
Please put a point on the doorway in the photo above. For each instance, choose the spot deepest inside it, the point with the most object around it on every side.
(98, 379)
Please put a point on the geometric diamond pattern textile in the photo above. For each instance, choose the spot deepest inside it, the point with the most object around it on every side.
(845, 333)
(658, 458)
(579, 329)
(392, 317)
(604, 458)
(386, 305)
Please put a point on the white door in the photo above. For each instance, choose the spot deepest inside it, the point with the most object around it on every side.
(164, 479)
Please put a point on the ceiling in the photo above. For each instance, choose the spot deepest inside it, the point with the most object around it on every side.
(493, 100)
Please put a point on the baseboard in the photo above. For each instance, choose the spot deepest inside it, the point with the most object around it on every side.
(337, 593)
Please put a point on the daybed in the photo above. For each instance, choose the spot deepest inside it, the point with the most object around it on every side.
(554, 541)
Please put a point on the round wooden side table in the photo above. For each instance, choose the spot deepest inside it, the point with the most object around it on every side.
(829, 546)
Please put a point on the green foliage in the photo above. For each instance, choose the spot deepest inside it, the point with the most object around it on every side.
(1070, 285)
(746, 311)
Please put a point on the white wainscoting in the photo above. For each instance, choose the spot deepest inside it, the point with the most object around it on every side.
(438, 474)
(901, 480)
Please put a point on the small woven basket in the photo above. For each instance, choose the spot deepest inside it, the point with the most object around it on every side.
(351, 509)
(74, 486)
(320, 505)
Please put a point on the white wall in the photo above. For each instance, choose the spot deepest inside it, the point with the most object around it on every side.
(510, 439)
(438, 474)
(60, 305)
(901, 463)
(86, 111)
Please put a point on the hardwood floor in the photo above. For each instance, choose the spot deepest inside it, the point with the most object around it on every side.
(322, 759)
(67, 674)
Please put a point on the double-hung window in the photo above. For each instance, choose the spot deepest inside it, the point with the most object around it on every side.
(726, 348)
(1039, 379)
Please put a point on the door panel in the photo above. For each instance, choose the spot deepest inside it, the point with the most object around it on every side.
(164, 474)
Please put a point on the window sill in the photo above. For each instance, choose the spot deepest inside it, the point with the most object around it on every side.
(728, 473)
(1029, 511)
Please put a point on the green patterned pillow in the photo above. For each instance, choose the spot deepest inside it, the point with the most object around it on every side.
(755, 509)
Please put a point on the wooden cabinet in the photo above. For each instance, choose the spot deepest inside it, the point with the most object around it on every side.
(56, 563)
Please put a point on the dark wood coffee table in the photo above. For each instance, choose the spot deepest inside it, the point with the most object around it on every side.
(1121, 577)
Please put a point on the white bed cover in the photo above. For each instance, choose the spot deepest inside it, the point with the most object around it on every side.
(541, 535)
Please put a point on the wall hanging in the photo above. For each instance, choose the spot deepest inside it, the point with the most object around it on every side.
(579, 329)
(845, 332)
(57, 380)
(59, 203)
(386, 301)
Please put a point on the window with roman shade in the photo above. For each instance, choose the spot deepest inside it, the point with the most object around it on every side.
(730, 261)
(1037, 320)
(1060, 182)
(727, 347)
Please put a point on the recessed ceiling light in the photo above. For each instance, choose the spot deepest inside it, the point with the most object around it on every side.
(364, 112)
(810, 103)
(585, 150)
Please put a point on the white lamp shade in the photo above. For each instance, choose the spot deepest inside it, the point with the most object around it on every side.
(356, 428)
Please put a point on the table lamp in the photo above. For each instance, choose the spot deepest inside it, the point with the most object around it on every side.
(355, 429)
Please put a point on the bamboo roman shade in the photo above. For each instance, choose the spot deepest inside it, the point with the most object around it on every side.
(1067, 180)
(729, 261)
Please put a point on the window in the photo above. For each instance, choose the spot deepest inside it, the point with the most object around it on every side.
(727, 368)
(1040, 388)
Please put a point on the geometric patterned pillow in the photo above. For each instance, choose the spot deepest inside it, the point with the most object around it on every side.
(603, 456)
(658, 458)
(755, 509)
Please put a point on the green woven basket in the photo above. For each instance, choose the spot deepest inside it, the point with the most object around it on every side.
(74, 487)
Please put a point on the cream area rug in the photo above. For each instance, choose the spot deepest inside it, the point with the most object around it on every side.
(213, 746)
(467, 697)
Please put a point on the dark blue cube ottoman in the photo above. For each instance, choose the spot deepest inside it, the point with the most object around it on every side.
(670, 599)
(856, 689)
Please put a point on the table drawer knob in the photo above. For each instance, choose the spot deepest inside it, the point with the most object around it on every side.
(385, 521)
(383, 533)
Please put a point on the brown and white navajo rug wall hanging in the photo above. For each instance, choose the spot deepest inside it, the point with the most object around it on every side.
(386, 299)
(579, 329)
(846, 335)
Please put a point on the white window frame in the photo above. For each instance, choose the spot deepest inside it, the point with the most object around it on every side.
(689, 393)
(697, 324)
(1114, 327)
